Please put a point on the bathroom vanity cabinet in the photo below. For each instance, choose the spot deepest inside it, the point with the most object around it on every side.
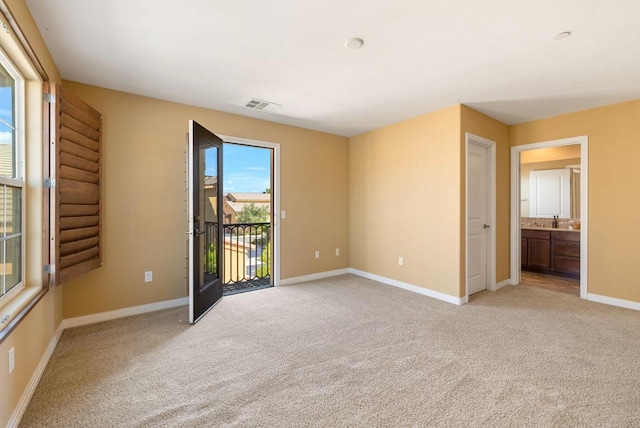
(551, 251)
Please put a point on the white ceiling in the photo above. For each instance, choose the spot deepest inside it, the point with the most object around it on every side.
(497, 56)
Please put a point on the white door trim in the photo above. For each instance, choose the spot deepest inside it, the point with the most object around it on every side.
(275, 192)
(491, 238)
(583, 141)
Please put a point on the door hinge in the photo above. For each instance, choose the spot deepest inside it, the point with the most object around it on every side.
(49, 98)
(50, 183)
(49, 269)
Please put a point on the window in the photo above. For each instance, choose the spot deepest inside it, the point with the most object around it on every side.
(11, 179)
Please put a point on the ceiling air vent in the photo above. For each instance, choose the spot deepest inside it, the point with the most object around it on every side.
(262, 105)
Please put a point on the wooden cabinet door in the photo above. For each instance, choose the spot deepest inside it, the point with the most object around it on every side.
(539, 252)
(524, 253)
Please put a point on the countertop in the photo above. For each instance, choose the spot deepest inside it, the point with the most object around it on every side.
(549, 228)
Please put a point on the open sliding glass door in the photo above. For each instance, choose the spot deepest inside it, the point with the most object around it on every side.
(206, 239)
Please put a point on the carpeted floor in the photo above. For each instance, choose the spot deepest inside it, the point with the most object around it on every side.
(347, 352)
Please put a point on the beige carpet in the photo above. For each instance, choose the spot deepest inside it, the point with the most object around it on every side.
(346, 352)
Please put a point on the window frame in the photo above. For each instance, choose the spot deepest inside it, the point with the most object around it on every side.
(19, 106)
(37, 82)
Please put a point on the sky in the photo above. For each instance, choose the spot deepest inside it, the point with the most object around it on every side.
(246, 169)
(6, 114)
(6, 132)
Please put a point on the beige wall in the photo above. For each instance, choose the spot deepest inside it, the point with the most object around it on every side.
(484, 126)
(22, 15)
(30, 341)
(407, 198)
(614, 133)
(549, 154)
(33, 335)
(404, 199)
(144, 227)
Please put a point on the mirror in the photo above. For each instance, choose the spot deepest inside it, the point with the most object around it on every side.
(550, 182)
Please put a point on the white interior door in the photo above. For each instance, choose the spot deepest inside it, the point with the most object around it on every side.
(477, 217)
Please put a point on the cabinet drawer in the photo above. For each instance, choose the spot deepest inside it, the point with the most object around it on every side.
(566, 264)
(567, 236)
(566, 248)
(538, 234)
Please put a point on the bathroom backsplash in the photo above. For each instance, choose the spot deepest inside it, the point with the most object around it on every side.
(563, 223)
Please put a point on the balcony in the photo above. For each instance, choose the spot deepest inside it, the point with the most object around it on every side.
(247, 255)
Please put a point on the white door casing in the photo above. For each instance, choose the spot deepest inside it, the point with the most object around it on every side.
(583, 141)
(480, 215)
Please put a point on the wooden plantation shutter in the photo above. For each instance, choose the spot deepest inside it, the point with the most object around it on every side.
(76, 127)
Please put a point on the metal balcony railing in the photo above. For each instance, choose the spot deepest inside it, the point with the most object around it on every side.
(246, 257)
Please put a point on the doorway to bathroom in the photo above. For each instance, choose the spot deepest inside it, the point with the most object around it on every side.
(549, 215)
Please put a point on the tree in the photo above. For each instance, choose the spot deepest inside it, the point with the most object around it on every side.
(253, 214)
(211, 259)
(264, 269)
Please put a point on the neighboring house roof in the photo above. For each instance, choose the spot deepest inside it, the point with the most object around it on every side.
(238, 206)
(210, 180)
(248, 197)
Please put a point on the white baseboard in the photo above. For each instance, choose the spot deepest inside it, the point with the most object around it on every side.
(18, 412)
(501, 284)
(628, 304)
(126, 312)
(405, 286)
(76, 322)
(314, 276)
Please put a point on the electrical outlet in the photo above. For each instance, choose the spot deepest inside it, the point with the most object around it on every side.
(12, 360)
(283, 214)
(317, 254)
(400, 261)
(337, 251)
(148, 276)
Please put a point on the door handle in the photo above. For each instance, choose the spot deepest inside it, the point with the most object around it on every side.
(197, 232)
(486, 226)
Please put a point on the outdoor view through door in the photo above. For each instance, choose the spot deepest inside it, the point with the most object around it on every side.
(247, 209)
(230, 219)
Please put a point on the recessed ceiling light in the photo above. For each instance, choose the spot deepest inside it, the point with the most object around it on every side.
(354, 43)
(562, 35)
